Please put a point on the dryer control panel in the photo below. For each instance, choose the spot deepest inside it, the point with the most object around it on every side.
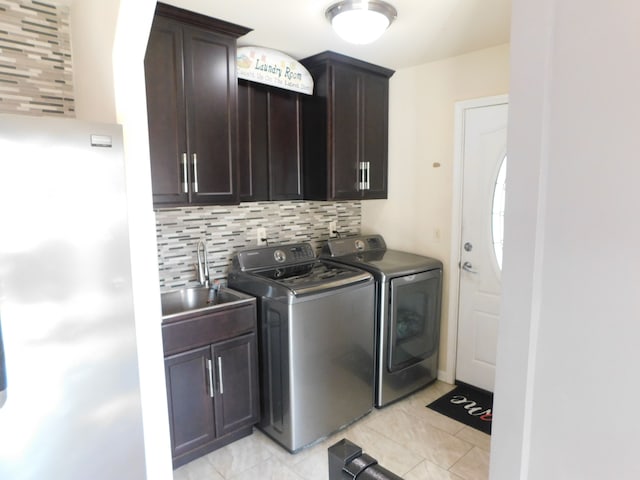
(338, 247)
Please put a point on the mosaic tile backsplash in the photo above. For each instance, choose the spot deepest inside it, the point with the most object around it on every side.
(35, 59)
(228, 229)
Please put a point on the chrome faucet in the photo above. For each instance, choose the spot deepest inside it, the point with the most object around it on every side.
(203, 264)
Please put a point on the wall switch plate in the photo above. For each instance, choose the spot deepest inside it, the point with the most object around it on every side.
(333, 227)
(261, 236)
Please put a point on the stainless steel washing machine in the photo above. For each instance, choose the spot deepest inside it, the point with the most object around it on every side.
(316, 341)
(407, 305)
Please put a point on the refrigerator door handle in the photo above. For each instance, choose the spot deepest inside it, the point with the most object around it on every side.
(3, 371)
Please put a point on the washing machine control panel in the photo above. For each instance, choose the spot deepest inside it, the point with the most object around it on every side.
(277, 255)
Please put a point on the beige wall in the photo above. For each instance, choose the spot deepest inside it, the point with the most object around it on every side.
(92, 34)
(417, 214)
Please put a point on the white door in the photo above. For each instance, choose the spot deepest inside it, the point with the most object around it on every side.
(480, 250)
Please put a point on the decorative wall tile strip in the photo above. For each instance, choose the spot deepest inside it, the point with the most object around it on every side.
(35, 59)
(228, 229)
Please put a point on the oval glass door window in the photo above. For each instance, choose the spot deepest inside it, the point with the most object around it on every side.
(497, 212)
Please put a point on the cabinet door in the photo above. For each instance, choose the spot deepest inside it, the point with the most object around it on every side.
(166, 113)
(236, 400)
(374, 133)
(189, 396)
(252, 142)
(270, 143)
(211, 103)
(285, 137)
(345, 130)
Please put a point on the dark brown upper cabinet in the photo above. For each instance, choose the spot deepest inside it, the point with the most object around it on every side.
(346, 126)
(192, 108)
(270, 143)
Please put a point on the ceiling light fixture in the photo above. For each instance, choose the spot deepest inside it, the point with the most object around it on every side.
(361, 21)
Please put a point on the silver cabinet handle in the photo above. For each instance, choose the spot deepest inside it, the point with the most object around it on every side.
(364, 175)
(367, 169)
(467, 267)
(210, 370)
(221, 385)
(185, 185)
(195, 173)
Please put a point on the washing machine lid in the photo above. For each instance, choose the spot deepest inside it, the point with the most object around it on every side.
(313, 277)
(370, 253)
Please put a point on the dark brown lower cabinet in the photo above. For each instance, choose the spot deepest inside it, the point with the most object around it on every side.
(237, 398)
(212, 390)
(190, 406)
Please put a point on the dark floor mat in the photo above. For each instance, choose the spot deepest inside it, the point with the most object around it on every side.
(468, 405)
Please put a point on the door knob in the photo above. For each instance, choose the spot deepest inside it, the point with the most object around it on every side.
(467, 267)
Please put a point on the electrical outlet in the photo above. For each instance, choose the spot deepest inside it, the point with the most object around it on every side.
(261, 236)
(333, 227)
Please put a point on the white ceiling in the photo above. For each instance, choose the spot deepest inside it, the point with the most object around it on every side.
(425, 30)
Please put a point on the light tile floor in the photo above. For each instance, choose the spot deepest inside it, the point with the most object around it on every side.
(406, 437)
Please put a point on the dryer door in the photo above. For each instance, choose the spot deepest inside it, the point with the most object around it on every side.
(414, 326)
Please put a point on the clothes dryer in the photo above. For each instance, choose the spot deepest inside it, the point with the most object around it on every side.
(407, 310)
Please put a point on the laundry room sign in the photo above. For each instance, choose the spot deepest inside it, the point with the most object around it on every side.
(271, 67)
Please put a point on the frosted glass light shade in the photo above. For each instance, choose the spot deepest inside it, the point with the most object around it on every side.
(361, 22)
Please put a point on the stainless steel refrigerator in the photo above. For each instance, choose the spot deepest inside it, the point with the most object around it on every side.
(70, 396)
